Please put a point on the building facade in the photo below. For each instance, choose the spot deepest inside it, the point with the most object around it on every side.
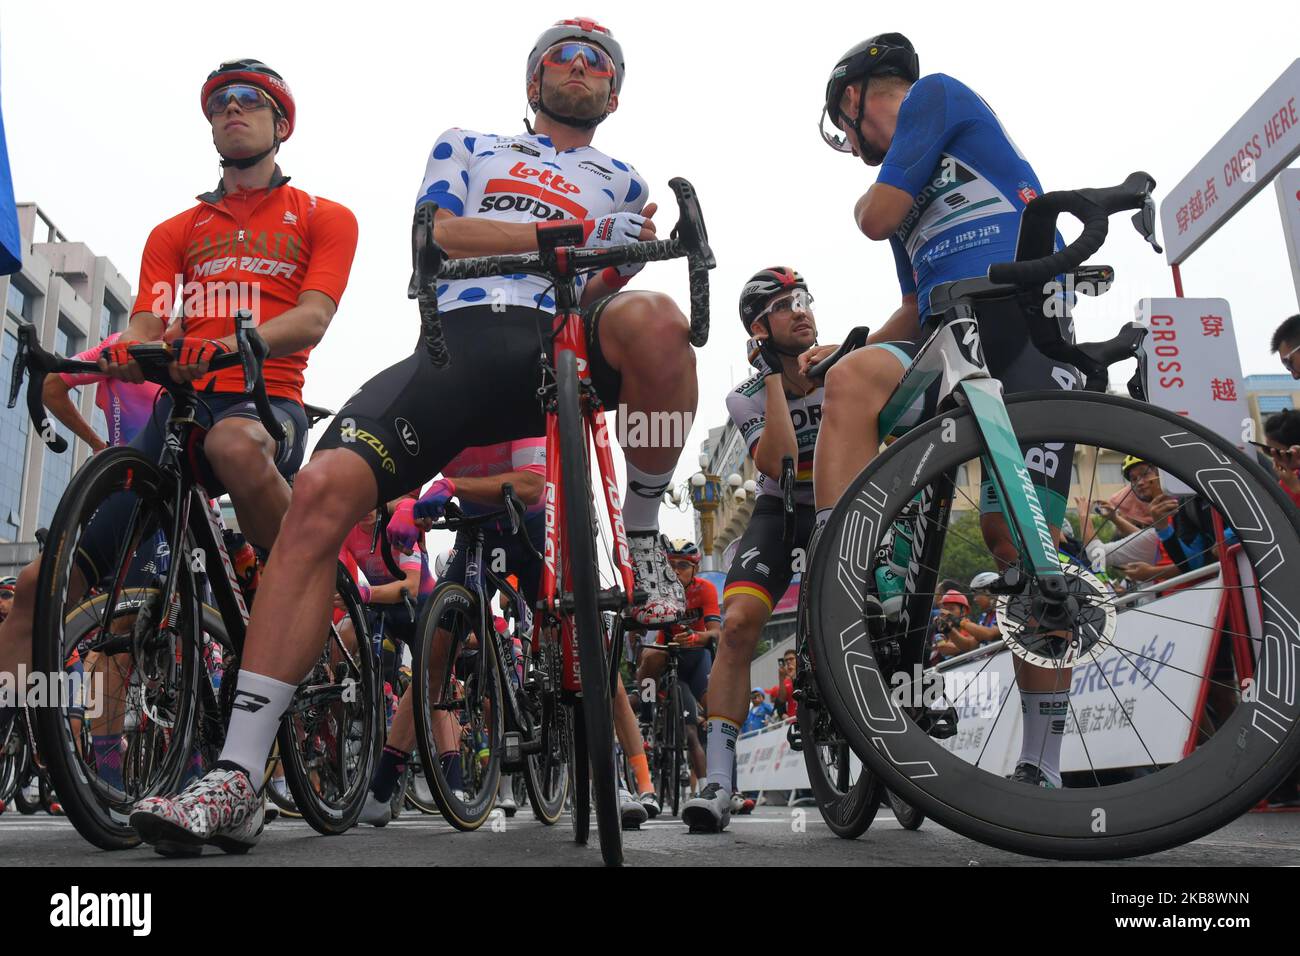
(76, 299)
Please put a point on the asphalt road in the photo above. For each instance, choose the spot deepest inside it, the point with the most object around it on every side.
(771, 836)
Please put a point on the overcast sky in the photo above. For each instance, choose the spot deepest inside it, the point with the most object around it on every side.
(106, 134)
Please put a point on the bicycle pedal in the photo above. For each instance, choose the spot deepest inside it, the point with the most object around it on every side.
(939, 724)
(512, 750)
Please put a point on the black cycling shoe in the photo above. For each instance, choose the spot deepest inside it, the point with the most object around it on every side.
(1032, 775)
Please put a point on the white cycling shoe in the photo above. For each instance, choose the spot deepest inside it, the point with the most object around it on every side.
(710, 812)
(220, 808)
(376, 812)
(665, 599)
(631, 810)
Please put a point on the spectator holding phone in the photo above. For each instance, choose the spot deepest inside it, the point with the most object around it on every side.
(1282, 445)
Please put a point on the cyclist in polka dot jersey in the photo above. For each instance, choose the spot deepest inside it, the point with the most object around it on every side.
(522, 179)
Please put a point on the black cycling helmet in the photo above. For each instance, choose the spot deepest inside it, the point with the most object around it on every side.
(888, 54)
(577, 28)
(762, 287)
(258, 74)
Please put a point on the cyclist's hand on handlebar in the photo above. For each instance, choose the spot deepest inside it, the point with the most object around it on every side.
(619, 229)
(192, 355)
(814, 355)
(117, 363)
(433, 503)
(402, 527)
(629, 269)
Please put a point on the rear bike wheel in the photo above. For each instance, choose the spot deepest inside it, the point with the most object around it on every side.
(546, 773)
(331, 735)
(1146, 763)
(676, 744)
(147, 661)
(459, 710)
(847, 803)
(908, 816)
(593, 648)
(580, 765)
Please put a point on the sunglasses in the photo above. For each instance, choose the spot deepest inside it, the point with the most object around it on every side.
(246, 97)
(595, 60)
(1286, 359)
(681, 565)
(800, 300)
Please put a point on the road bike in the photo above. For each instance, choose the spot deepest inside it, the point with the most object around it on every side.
(571, 601)
(1143, 767)
(168, 556)
(497, 708)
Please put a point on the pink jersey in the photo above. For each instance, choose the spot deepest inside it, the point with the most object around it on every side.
(126, 407)
(372, 565)
(485, 461)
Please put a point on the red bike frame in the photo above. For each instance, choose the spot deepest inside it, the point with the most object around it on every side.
(569, 328)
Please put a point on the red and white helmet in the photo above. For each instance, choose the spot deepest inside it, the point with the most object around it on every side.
(578, 28)
(254, 73)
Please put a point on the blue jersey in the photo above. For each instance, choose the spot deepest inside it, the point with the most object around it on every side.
(969, 184)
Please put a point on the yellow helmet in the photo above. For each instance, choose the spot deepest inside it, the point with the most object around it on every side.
(1129, 462)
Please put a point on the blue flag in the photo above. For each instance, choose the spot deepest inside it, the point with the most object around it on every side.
(11, 241)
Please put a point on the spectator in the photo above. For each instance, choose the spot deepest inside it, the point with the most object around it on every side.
(7, 596)
(783, 693)
(1286, 343)
(982, 622)
(948, 638)
(1282, 437)
(1184, 529)
(759, 711)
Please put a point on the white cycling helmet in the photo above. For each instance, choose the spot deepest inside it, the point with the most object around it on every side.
(984, 580)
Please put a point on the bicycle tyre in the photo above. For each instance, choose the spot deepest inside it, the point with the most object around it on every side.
(676, 727)
(847, 807)
(546, 774)
(581, 767)
(86, 801)
(1247, 757)
(908, 816)
(455, 601)
(580, 539)
(345, 736)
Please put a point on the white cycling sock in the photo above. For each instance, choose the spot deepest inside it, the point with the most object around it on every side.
(1045, 715)
(721, 749)
(259, 703)
(642, 499)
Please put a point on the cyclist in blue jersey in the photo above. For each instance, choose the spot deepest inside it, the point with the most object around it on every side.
(948, 198)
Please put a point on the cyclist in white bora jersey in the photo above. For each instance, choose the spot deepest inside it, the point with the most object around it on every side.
(406, 423)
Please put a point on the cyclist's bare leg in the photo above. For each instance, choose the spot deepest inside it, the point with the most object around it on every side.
(1029, 677)
(291, 615)
(242, 456)
(857, 388)
(644, 336)
(743, 617)
(629, 736)
(698, 760)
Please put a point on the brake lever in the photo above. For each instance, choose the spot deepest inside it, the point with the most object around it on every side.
(19, 370)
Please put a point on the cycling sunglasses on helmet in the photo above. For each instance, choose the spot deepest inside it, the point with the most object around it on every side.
(800, 300)
(596, 60)
(248, 98)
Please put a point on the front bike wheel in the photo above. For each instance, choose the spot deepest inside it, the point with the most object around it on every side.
(331, 735)
(459, 711)
(140, 657)
(675, 741)
(592, 640)
(1179, 717)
